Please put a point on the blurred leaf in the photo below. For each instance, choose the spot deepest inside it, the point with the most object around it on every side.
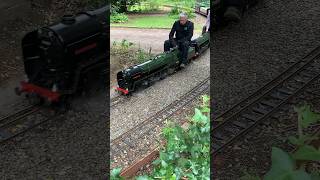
(301, 140)
(307, 116)
(307, 152)
(143, 178)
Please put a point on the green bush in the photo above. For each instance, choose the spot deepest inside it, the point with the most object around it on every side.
(118, 18)
(145, 7)
(186, 152)
(176, 10)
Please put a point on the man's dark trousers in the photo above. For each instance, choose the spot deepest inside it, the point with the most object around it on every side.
(183, 47)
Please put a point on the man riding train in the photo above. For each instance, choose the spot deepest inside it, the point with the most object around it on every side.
(183, 31)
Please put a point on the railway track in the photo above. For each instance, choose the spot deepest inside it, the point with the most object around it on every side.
(131, 139)
(245, 115)
(21, 122)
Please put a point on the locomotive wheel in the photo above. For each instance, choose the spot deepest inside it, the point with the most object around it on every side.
(163, 75)
(34, 99)
(146, 83)
(63, 105)
(171, 71)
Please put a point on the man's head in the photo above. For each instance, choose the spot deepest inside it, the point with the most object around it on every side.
(183, 17)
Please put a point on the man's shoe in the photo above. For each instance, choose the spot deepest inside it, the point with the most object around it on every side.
(232, 14)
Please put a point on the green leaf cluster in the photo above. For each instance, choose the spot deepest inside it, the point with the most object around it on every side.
(284, 165)
(186, 152)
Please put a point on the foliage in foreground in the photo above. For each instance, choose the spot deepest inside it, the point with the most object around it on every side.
(288, 166)
(186, 152)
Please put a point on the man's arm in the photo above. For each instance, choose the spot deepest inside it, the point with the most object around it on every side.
(173, 30)
(208, 21)
(190, 32)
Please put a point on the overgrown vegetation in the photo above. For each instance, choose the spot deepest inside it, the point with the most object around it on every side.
(291, 166)
(145, 6)
(129, 53)
(95, 3)
(121, 8)
(186, 151)
(176, 10)
(116, 16)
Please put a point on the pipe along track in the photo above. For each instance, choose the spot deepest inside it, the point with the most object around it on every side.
(21, 122)
(245, 115)
(131, 139)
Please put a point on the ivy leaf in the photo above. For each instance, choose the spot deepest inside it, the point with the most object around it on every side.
(173, 177)
(307, 116)
(156, 162)
(164, 164)
(205, 110)
(281, 164)
(301, 139)
(205, 99)
(307, 152)
(115, 173)
(199, 117)
(299, 175)
(143, 178)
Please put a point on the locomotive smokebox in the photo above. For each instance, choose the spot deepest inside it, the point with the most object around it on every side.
(56, 56)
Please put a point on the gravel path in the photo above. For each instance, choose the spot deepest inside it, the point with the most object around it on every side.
(146, 102)
(72, 146)
(247, 55)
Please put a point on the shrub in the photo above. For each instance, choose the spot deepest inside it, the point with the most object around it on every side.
(118, 18)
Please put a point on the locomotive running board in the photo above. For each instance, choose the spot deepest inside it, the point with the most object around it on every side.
(42, 92)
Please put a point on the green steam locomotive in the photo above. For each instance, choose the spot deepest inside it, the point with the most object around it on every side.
(159, 67)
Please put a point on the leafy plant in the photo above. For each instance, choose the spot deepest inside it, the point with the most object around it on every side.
(127, 53)
(177, 9)
(118, 17)
(285, 165)
(115, 174)
(186, 152)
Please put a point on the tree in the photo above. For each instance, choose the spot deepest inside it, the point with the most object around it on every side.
(123, 4)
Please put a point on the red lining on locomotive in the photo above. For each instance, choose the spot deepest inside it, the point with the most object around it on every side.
(86, 48)
(43, 92)
(122, 90)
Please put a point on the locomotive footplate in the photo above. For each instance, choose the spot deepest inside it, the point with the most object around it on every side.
(34, 89)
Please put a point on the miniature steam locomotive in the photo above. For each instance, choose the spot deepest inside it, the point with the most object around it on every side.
(159, 67)
(58, 57)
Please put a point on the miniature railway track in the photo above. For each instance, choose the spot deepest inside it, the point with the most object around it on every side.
(130, 139)
(21, 122)
(245, 115)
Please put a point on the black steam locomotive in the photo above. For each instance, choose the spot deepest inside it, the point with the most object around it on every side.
(58, 57)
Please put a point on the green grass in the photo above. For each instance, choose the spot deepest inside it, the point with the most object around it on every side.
(163, 21)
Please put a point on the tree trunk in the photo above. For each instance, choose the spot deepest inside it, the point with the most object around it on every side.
(123, 7)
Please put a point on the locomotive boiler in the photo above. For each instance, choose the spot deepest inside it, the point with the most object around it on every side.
(158, 67)
(58, 57)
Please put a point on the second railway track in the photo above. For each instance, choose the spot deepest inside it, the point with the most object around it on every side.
(22, 121)
(242, 117)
